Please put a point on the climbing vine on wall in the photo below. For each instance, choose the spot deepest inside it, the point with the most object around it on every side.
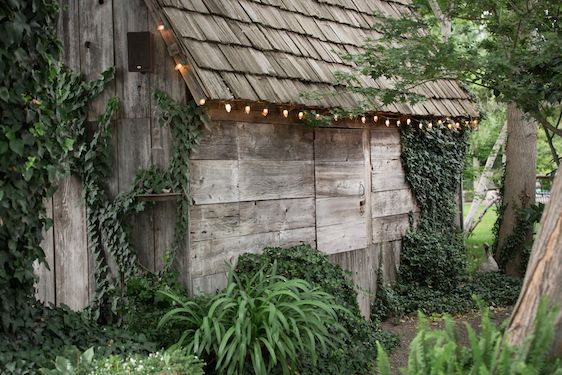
(433, 251)
(107, 224)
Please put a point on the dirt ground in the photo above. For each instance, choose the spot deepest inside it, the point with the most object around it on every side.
(406, 329)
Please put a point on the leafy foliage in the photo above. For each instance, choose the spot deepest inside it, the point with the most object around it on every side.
(43, 109)
(264, 322)
(357, 344)
(441, 352)
(493, 289)
(433, 253)
(49, 330)
(173, 362)
(526, 219)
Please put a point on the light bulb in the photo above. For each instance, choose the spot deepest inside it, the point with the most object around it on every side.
(285, 113)
(336, 117)
(160, 27)
(387, 122)
(202, 101)
(228, 107)
(265, 112)
(450, 126)
(376, 118)
(408, 121)
(398, 122)
(421, 125)
(318, 116)
(430, 125)
(301, 115)
(363, 119)
(178, 66)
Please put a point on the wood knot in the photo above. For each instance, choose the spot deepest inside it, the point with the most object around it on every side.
(87, 44)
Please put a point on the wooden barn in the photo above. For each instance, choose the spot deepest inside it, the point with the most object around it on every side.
(260, 177)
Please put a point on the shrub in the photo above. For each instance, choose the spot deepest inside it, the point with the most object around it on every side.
(356, 348)
(441, 352)
(52, 329)
(146, 305)
(493, 289)
(173, 362)
(432, 257)
(264, 322)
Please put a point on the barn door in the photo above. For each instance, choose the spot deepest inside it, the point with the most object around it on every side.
(343, 185)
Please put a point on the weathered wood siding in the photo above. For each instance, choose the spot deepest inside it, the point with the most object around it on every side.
(94, 38)
(255, 181)
(260, 182)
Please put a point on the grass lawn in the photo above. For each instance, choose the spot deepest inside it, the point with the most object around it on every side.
(482, 233)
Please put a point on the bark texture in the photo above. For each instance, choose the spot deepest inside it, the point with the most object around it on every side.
(544, 275)
(519, 183)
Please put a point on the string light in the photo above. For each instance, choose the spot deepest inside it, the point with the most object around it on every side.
(376, 118)
(363, 119)
(202, 101)
(440, 122)
(265, 112)
(430, 125)
(450, 126)
(301, 115)
(387, 123)
(457, 125)
(350, 116)
(408, 121)
(336, 117)
(421, 126)
(398, 123)
(318, 116)
(285, 113)
(228, 107)
(247, 109)
(160, 27)
(178, 66)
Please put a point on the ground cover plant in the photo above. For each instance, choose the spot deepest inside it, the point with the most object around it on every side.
(171, 362)
(441, 351)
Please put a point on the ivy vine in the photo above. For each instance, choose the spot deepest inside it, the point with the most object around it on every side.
(433, 252)
(109, 235)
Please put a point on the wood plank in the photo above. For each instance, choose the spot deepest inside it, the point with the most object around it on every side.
(219, 142)
(133, 152)
(276, 215)
(336, 179)
(71, 257)
(45, 285)
(390, 228)
(133, 88)
(360, 264)
(390, 258)
(387, 174)
(335, 210)
(214, 221)
(392, 202)
(164, 230)
(385, 151)
(214, 181)
(209, 284)
(342, 237)
(298, 236)
(331, 144)
(264, 141)
(266, 179)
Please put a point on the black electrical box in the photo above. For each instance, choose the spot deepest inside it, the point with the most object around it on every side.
(139, 51)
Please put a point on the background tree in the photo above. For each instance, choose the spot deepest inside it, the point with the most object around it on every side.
(509, 47)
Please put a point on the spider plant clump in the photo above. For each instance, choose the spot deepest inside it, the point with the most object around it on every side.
(264, 323)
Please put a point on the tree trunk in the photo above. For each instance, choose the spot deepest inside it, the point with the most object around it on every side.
(543, 276)
(519, 186)
(483, 181)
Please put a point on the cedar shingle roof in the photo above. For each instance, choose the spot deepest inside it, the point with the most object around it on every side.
(274, 50)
